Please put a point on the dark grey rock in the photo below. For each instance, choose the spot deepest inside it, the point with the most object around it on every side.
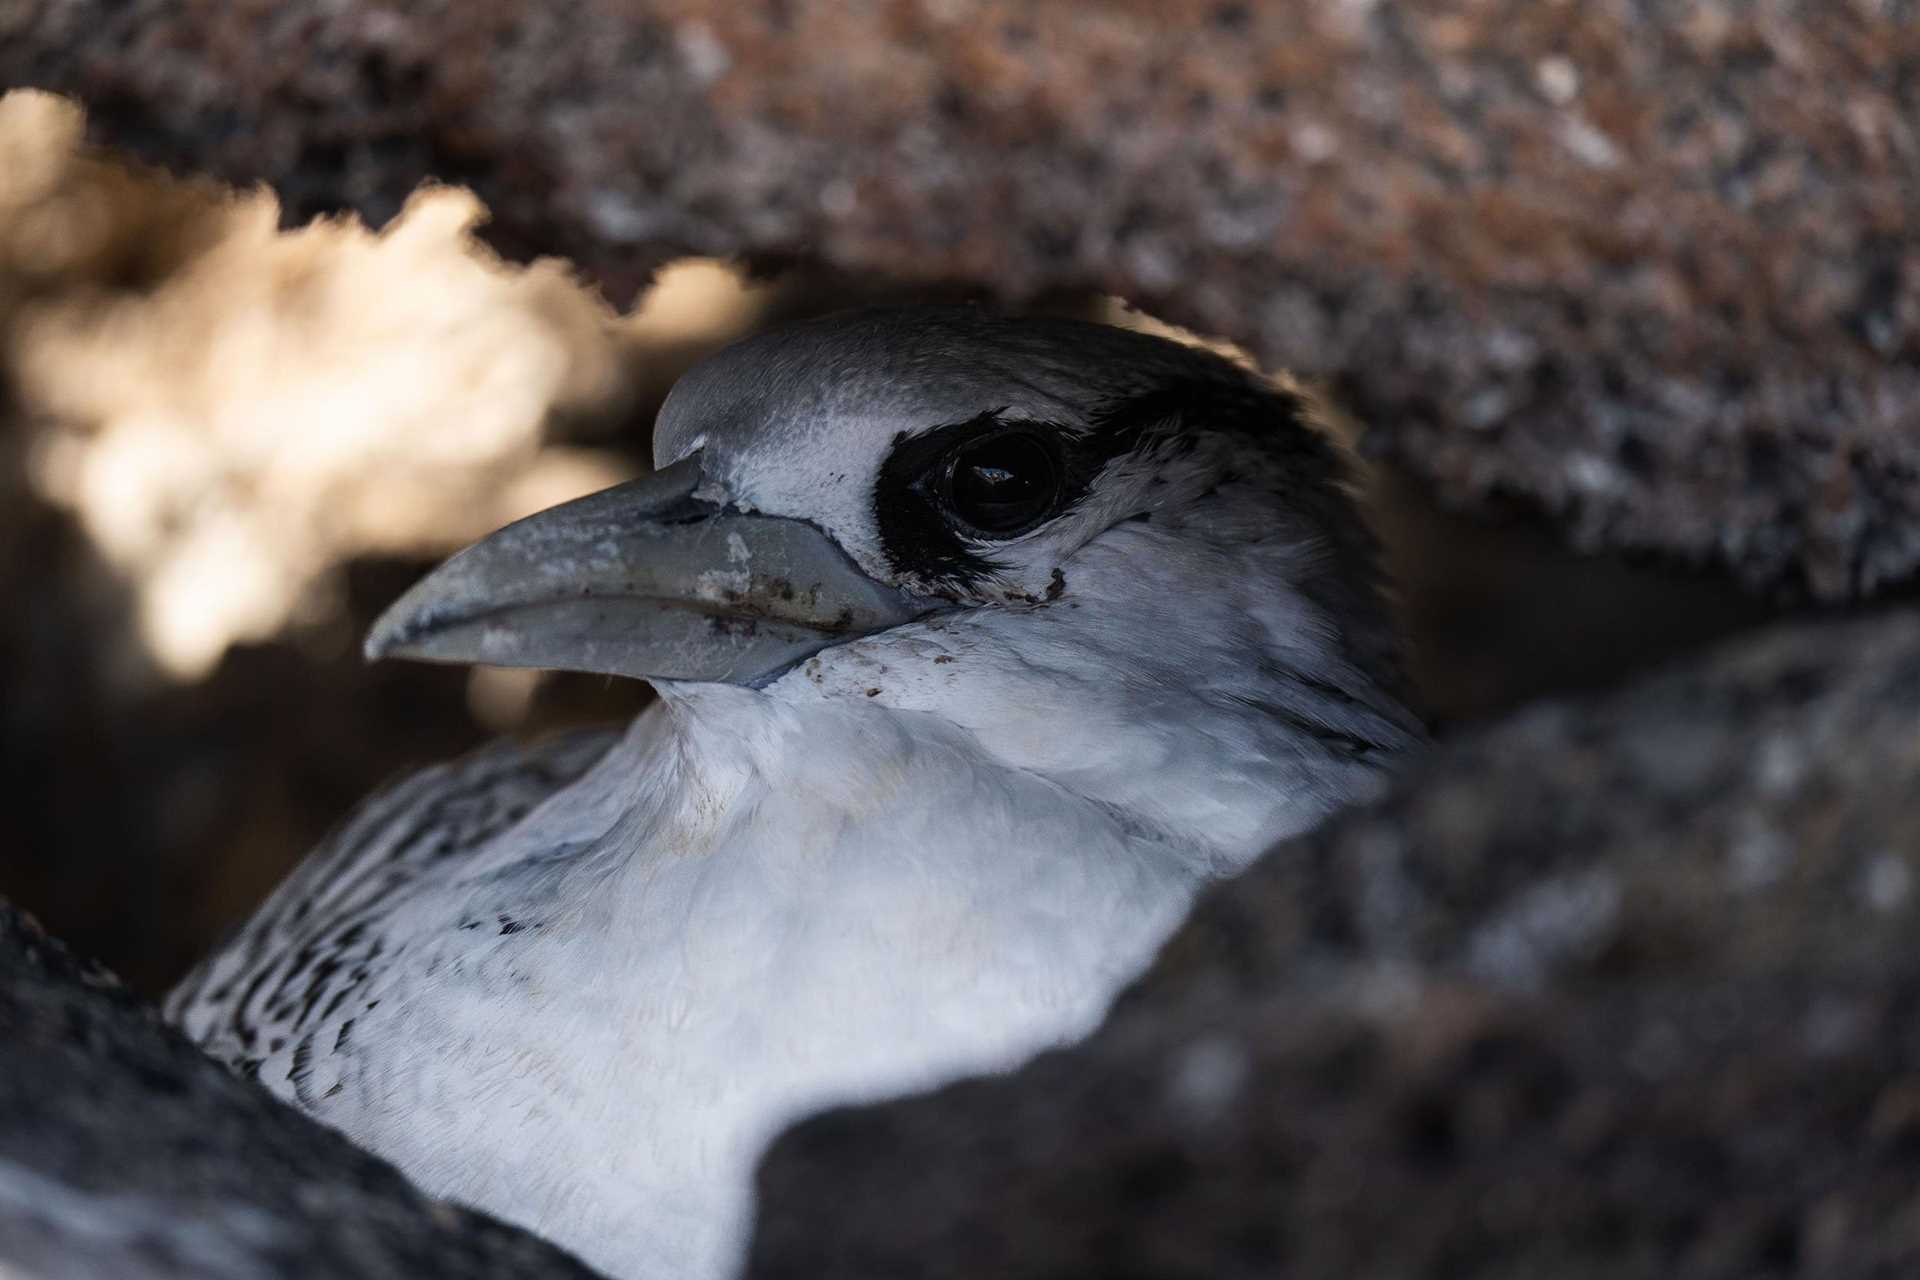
(1626, 988)
(1649, 267)
(125, 1153)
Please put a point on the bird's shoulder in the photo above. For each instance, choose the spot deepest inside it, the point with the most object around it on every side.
(321, 936)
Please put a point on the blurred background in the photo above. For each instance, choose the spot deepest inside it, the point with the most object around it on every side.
(225, 446)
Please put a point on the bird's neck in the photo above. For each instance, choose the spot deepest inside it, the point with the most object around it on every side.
(1222, 726)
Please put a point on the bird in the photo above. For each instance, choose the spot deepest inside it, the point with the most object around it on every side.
(983, 643)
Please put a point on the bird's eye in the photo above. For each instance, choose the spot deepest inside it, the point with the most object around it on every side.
(1004, 485)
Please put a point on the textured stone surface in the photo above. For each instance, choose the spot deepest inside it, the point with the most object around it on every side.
(1649, 265)
(1614, 990)
(125, 1154)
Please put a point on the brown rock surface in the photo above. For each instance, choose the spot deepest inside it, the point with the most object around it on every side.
(1650, 266)
(1609, 990)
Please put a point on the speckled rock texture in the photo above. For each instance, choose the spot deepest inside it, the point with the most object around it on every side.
(1649, 266)
(126, 1154)
(1614, 990)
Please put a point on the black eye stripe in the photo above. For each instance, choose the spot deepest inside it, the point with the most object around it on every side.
(919, 538)
(912, 498)
(913, 503)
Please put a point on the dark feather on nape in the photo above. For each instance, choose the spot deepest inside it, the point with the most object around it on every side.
(1270, 416)
(1313, 482)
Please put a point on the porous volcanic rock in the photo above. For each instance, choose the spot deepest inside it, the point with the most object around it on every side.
(1648, 266)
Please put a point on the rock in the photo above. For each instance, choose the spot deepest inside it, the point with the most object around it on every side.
(126, 1154)
(1649, 267)
(1613, 989)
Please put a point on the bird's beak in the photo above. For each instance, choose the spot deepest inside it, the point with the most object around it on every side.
(646, 580)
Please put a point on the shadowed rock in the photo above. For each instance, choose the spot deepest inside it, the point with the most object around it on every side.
(126, 1154)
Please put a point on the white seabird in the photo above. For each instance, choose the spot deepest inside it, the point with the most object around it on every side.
(982, 644)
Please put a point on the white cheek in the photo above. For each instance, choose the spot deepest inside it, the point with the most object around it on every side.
(1038, 565)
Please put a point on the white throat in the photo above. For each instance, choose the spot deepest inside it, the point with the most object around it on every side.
(858, 900)
(1184, 686)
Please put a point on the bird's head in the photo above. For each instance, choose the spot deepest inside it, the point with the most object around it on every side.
(873, 469)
